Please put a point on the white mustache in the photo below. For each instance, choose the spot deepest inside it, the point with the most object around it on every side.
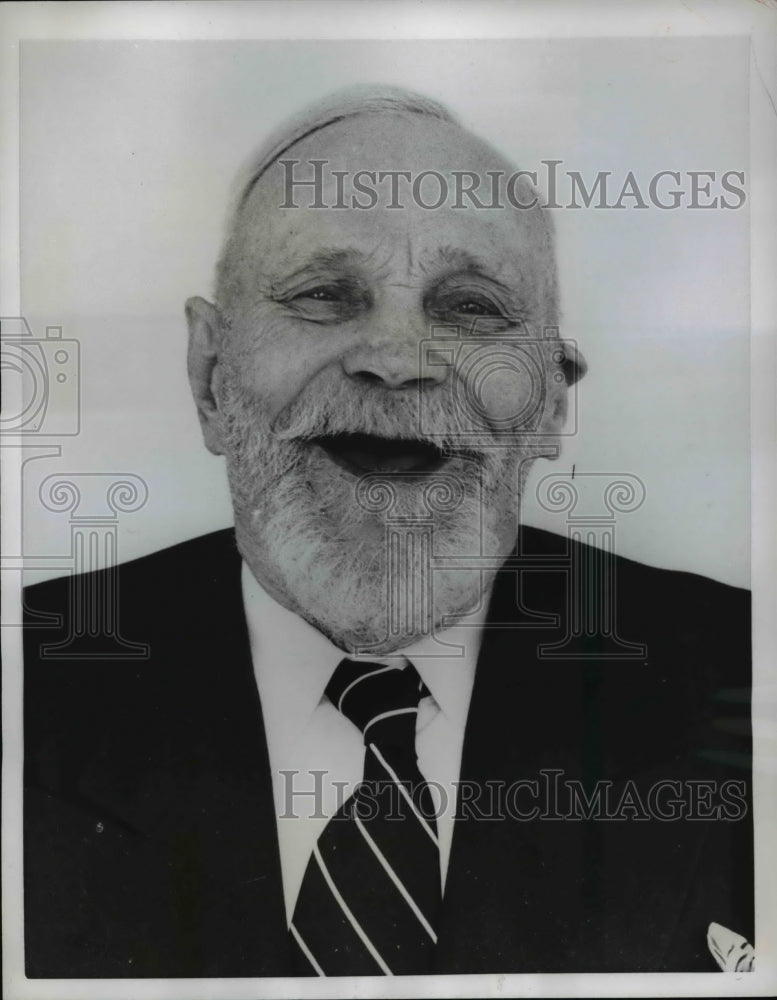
(343, 409)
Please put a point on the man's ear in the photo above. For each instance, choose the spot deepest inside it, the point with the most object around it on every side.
(202, 361)
(574, 364)
(573, 367)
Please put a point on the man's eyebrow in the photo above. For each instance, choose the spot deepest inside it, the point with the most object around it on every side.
(329, 258)
(450, 261)
(455, 258)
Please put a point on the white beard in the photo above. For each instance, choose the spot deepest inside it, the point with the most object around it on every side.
(359, 558)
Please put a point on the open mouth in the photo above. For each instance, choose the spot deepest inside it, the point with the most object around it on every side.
(362, 453)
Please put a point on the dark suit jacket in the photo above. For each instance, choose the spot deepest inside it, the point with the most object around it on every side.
(150, 833)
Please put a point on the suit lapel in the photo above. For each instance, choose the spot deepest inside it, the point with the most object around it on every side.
(498, 912)
(194, 784)
(239, 835)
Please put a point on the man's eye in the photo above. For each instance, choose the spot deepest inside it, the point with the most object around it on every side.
(466, 307)
(475, 307)
(332, 302)
(324, 293)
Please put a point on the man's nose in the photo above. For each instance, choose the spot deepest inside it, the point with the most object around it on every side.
(393, 353)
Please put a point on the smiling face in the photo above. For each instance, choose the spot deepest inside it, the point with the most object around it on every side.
(363, 448)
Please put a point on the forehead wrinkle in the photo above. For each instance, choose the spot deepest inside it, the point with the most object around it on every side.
(453, 257)
(409, 252)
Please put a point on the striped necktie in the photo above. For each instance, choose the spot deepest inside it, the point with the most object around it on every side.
(370, 896)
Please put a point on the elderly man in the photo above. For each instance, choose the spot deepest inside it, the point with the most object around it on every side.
(349, 751)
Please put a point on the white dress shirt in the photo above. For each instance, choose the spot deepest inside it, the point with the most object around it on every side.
(293, 663)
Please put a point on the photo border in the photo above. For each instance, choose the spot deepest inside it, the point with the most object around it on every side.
(323, 19)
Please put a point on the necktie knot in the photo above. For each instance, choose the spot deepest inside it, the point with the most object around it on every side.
(382, 701)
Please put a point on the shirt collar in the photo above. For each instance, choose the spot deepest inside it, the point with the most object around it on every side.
(293, 662)
(446, 663)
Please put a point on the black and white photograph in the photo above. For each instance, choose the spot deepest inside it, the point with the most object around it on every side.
(388, 445)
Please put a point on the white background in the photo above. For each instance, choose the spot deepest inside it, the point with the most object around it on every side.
(128, 150)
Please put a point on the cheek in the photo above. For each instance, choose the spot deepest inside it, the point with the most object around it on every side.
(506, 396)
(503, 387)
(277, 358)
